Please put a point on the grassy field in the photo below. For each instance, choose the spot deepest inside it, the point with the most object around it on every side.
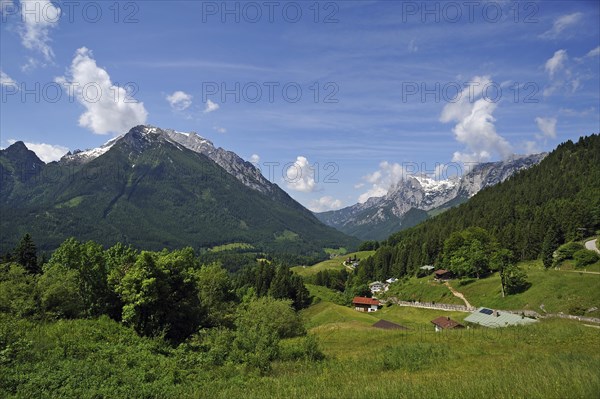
(424, 289)
(335, 251)
(89, 358)
(330, 264)
(557, 290)
(230, 247)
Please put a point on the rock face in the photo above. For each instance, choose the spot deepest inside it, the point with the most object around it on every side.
(415, 198)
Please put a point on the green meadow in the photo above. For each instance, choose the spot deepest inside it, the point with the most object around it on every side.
(330, 264)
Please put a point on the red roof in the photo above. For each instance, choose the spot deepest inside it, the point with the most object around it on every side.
(446, 322)
(440, 272)
(361, 300)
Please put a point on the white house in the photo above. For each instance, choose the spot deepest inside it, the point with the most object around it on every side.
(377, 286)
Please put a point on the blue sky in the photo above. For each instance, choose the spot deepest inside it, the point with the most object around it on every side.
(386, 86)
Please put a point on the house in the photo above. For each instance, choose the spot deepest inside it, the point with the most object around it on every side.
(427, 267)
(497, 318)
(377, 286)
(445, 323)
(391, 280)
(363, 304)
(388, 325)
(443, 275)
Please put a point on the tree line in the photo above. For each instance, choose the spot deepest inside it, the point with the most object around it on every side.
(168, 294)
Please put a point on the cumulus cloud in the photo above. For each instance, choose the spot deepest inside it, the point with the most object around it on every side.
(109, 108)
(210, 107)
(300, 176)
(594, 52)
(323, 204)
(557, 62)
(473, 113)
(531, 147)
(560, 24)
(381, 180)
(179, 100)
(45, 152)
(547, 126)
(39, 17)
(6, 80)
(255, 158)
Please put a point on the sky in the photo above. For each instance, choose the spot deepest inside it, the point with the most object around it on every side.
(332, 100)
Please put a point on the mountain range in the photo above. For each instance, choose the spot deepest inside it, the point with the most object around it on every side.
(153, 188)
(416, 198)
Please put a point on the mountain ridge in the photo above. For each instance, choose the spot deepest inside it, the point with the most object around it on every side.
(379, 217)
(147, 189)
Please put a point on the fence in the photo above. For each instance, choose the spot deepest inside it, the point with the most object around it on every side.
(462, 308)
(433, 305)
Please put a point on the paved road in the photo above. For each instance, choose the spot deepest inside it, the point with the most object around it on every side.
(591, 245)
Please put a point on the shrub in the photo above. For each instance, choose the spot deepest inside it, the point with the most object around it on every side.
(585, 257)
(566, 251)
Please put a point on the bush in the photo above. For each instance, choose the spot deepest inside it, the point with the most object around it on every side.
(566, 251)
(585, 257)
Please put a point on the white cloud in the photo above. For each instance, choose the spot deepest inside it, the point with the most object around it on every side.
(560, 24)
(594, 52)
(323, 204)
(547, 126)
(109, 108)
(475, 128)
(210, 107)
(255, 158)
(557, 62)
(45, 152)
(412, 46)
(531, 147)
(179, 100)
(6, 80)
(39, 17)
(220, 129)
(574, 112)
(300, 176)
(381, 180)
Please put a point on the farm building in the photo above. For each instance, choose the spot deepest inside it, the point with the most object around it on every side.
(363, 304)
(443, 274)
(445, 323)
(496, 318)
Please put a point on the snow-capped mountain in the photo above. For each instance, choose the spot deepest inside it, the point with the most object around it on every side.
(415, 198)
(154, 188)
(244, 171)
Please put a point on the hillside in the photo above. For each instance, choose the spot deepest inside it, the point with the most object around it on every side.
(330, 264)
(148, 190)
(561, 195)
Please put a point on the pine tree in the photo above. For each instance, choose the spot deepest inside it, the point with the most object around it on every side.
(26, 254)
(549, 245)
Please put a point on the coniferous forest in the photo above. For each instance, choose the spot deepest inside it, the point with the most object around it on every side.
(532, 213)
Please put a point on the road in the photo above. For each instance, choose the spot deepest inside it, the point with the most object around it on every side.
(591, 245)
